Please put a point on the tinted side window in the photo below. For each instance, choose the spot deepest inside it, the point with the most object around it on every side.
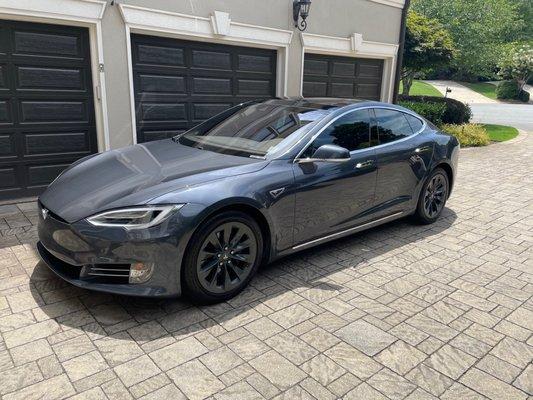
(392, 125)
(351, 131)
(415, 123)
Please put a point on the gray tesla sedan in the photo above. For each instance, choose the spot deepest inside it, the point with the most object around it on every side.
(201, 212)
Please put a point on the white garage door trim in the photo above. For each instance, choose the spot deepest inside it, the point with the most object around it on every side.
(354, 46)
(218, 28)
(84, 13)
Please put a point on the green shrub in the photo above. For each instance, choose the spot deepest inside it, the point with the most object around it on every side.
(431, 111)
(469, 135)
(455, 112)
(507, 90)
(524, 96)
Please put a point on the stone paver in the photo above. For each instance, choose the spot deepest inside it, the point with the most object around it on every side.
(399, 312)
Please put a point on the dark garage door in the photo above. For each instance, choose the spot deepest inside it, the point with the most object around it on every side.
(331, 76)
(46, 104)
(178, 84)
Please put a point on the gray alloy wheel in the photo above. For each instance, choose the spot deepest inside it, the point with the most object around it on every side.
(226, 257)
(432, 197)
(223, 256)
(435, 195)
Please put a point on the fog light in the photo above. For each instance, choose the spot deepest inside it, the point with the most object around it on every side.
(140, 272)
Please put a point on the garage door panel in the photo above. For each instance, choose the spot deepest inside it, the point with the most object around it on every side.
(6, 116)
(211, 60)
(214, 86)
(47, 44)
(3, 77)
(342, 90)
(159, 55)
(251, 63)
(163, 112)
(57, 143)
(369, 70)
(315, 89)
(42, 78)
(203, 111)
(8, 178)
(42, 175)
(7, 146)
(53, 111)
(161, 134)
(162, 84)
(254, 88)
(334, 76)
(179, 84)
(343, 69)
(367, 90)
(315, 67)
(47, 111)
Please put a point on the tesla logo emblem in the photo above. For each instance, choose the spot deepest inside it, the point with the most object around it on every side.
(44, 213)
(277, 192)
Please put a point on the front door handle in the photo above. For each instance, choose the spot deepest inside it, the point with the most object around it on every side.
(364, 164)
(422, 149)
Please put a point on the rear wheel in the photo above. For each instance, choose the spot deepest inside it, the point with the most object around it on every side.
(224, 255)
(432, 197)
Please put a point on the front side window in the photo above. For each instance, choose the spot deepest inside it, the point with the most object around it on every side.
(351, 131)
(252, 130)
(392, 125)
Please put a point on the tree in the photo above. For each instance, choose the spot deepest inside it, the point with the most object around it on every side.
(517, 65)
(427, 45)
(479, 28)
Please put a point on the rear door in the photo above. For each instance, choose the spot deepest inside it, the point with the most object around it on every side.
(403, 154)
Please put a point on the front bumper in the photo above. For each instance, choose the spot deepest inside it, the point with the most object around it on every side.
(69, 249)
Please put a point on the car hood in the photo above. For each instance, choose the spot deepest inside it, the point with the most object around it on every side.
(137, 174)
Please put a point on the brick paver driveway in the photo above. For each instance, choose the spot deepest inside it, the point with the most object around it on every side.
(401, 311)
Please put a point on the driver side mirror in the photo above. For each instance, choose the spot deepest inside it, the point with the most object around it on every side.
(328, 153)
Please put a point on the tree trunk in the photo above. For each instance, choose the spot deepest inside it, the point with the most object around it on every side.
(407, 83)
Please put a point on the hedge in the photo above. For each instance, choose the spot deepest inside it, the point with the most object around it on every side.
(469, 134)
(433, 112)
(508, 90)
(455, 112)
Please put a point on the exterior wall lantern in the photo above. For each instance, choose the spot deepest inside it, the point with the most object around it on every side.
(300, 8)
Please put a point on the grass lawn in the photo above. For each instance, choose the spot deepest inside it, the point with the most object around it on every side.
(484, 88)
(500, 133)
(420, 88)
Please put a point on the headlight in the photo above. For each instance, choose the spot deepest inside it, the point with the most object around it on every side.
(135, 217)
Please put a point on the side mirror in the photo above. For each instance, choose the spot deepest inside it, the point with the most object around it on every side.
(328, 153)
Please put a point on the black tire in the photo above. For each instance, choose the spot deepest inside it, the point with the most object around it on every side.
(432, 197)
(217, 268)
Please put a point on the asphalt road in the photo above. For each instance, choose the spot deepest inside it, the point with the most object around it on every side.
(518, 115)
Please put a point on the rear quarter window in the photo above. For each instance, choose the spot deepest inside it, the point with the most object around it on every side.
(415, 123)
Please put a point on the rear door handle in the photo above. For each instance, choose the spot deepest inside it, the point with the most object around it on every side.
(422, 149)
(364, 164)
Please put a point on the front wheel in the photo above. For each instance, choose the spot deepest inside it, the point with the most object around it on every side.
(432, 197)
(224, 255)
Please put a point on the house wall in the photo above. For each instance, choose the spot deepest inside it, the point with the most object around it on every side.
(334, 21)
(341, 18)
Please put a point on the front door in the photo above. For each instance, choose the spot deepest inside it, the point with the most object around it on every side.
(331, 197)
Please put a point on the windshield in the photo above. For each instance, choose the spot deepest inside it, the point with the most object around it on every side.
(253, 129)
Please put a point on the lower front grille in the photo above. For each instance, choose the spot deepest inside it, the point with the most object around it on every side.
(106, 273)
(108, 270)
